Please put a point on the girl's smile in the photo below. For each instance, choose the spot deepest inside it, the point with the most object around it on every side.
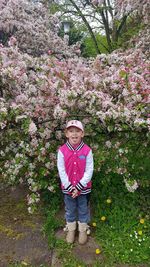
(74, 135)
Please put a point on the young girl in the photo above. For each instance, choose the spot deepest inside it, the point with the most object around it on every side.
(75, 167)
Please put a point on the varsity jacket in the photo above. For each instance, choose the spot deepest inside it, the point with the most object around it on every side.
(75, 167)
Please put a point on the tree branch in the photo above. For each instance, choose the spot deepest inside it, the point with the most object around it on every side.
(88, 26)
(121, 26)
(107, 30)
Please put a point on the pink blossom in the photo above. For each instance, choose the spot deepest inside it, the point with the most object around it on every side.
(32, 128)
(12, 41)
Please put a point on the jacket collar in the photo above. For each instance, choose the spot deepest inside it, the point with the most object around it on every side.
(75, 149)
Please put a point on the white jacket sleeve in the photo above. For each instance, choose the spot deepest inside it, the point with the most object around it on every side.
(62, 172)
(88, 172)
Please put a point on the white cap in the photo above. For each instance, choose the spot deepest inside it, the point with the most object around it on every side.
(75, 123)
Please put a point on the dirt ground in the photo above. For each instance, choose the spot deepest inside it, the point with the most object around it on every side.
(22, 240)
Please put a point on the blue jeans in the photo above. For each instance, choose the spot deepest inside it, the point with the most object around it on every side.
(77, 209)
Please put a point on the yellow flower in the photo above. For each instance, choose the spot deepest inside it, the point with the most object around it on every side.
(103, 218)
(140, 232)
(108, 201)
(24, 263)
(97, 251)
(142, 221)
(94, 224)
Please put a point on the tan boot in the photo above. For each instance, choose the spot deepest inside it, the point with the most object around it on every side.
(82, 233)
(71, 227)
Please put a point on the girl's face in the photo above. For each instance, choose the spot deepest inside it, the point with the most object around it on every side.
(74, 135)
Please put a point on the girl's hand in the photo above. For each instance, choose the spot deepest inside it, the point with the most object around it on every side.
(75, 193)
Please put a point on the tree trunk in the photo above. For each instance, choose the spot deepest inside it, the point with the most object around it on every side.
(88, 26)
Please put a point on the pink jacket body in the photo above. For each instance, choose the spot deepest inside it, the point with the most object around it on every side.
(75, 162)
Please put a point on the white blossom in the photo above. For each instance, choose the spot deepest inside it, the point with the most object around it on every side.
(108, 144)
(32, 128)
(131, 185)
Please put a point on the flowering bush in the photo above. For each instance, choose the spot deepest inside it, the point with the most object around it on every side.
(38, 94)
(32, 25)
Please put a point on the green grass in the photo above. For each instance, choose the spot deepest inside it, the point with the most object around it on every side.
(120, 242)
(64, 252)
(118, 235)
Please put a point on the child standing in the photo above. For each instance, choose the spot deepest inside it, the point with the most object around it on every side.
(75, 167)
